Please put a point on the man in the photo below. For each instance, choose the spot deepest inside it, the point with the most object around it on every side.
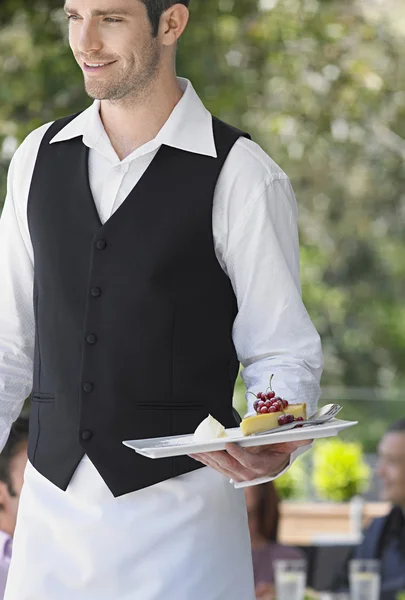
(385, 537)
(13, 459)
(158, 247)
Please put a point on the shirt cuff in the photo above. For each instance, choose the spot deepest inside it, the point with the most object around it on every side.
(259, 480)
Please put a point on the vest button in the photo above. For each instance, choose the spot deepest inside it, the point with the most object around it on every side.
(91, 338)
(95, 292)
(88, 387)
(87, 435)
(101, 244)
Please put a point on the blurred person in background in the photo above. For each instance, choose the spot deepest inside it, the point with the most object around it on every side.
(13, 460)
(262, 503)
(384, 539)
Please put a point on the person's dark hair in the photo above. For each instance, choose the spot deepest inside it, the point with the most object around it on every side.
(156, 8)
(267, 507)
(18, 435)
(397, 426)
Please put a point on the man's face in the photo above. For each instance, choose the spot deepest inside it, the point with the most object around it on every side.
(391, 467)
(118, 35)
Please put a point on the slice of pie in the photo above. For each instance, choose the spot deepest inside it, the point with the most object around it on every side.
(264, 422)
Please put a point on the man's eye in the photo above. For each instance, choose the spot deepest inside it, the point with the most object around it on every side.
(72, 17)
(111, 20)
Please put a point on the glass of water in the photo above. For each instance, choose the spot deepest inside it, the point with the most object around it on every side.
(364, 578)
(290, 579)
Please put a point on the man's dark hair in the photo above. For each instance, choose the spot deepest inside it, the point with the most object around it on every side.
(156, 8)
(397, 426)
(18, 435)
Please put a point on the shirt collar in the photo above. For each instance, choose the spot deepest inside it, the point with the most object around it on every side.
(189, 127)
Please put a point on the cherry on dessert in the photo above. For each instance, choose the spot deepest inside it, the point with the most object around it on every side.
(255, 405)
(277, 404)
(270, 388)
(264, 410)
(273, 409)
(270, 395)
(285, 419)
(268, 403)
(285, 403)
(259, 396)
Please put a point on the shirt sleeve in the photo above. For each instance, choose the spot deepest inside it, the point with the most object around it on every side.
(16, 305)
(273, 333)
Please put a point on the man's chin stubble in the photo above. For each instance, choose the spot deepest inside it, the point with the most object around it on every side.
(124, 97)
(100, 93)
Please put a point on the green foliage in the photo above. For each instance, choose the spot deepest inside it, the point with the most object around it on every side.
(339, 471)
(400, 596)
(293, 484)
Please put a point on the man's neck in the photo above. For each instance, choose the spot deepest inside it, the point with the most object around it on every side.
(131, 124)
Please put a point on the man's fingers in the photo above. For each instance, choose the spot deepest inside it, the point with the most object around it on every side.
(198, 458)
(245, 464)
(267, 463)
(228, 474)
(241, 455)
(231, 466)
(221, 463)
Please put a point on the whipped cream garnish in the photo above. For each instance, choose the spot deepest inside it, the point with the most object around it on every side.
(209, 429)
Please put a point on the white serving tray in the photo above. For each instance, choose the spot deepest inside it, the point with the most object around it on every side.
(166, 447)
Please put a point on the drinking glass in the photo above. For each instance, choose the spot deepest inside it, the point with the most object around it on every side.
(290, 579)
(364, 578)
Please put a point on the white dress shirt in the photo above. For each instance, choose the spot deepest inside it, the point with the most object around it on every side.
(142, 546)
(256, 243)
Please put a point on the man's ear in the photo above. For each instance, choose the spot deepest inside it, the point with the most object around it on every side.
(173, 23)
(4, 495)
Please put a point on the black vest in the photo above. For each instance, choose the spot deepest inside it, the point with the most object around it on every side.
(133, 318)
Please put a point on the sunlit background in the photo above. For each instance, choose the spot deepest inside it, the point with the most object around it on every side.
(320, 85)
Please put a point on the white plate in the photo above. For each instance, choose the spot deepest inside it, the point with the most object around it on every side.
(165, 447)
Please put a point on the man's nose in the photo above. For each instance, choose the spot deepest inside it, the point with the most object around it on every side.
(90, 40)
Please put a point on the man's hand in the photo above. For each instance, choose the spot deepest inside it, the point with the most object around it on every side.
(265, 591)
(245, 464)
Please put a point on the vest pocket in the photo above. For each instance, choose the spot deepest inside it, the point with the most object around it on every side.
(42, 397)
(40, 402)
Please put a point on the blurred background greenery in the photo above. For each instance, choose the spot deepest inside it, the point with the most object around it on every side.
(319, 84)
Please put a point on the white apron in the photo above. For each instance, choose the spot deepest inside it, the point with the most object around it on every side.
(183, 539)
